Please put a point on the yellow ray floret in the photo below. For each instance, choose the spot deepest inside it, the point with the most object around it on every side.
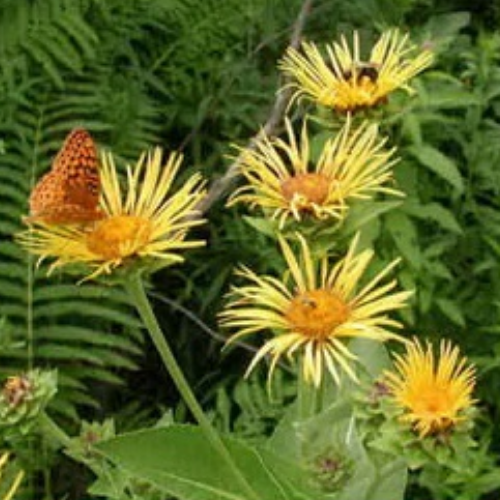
(145, 221)
(317, 312)
(283, 180)
(432, 393)
(341, 79)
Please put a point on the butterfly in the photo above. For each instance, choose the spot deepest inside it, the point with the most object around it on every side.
(69, 193)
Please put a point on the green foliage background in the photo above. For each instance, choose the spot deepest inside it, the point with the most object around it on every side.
(196, 76)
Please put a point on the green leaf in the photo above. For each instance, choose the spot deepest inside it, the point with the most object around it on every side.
(405, 236)
(437, 213)
(84, 38)
(265, 226)
(361, 214)
(438, 163)
(93, 337)
(110, 485)
(445, 27)
(372, 355)
(391, 482)
(451, 310)
(179, 460)
(332, 435)
(73, 307)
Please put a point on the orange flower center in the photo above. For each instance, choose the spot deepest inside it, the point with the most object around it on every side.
(434, 401)
(119, 236)
(306, 189)
(317, 313)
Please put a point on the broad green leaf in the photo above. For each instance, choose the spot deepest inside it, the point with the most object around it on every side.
(181, 462)
(372, 355)
(331, 436)
(441, 165)
(391, 482)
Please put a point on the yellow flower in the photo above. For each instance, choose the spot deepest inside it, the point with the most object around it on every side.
(433, 394)
(9, 491)
(315, 313)
(143, 222)
(342, 80)
(282, 178)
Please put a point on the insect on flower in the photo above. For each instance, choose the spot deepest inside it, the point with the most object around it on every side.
(69, 193)
(361, 70)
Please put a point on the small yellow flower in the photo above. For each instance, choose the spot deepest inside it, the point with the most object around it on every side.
(143, 222)
(342, 80)
(316, 312)
(433, 394)
(281, 176)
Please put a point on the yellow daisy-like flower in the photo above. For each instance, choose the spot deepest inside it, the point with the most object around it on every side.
(143, 222)
(282, 178)
(432, 393)
(317, 312)
(342, 80)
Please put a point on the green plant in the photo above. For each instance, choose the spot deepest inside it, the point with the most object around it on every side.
(196, 76)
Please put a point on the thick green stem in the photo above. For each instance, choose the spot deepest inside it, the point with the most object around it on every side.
(136, 289)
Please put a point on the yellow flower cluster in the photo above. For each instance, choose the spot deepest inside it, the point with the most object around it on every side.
(317, 304)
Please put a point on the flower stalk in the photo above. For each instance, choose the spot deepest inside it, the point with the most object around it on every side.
(136, 290)
(308, 397)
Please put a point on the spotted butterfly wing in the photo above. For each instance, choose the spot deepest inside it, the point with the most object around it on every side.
(69, 193)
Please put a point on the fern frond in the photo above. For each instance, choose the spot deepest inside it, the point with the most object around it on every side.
(86, 337)
(50, 34)
(84, 331)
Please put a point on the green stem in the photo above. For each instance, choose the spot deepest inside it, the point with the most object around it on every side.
(307, 398)
(136, 289)
(52, 432)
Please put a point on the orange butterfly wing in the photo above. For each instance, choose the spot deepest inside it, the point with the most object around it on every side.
(70, 192)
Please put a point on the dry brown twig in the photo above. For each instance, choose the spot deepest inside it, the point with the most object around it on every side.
(220, 186)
